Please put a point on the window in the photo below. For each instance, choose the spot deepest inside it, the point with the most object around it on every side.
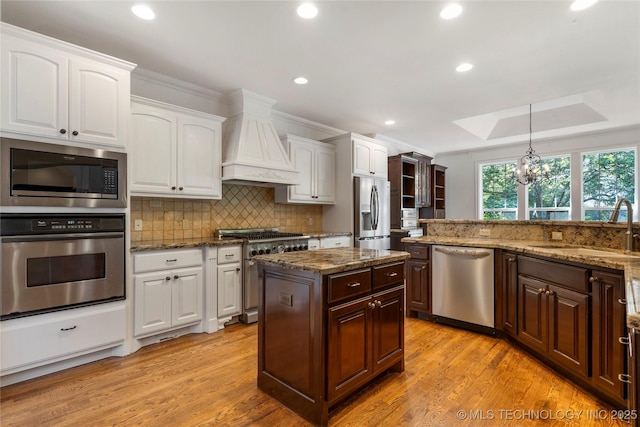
(606, 177)
(499, 191)
(551, 199)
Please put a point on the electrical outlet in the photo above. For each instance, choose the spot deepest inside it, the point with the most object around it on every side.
(137, 225)
(556, 235)
(485, 232)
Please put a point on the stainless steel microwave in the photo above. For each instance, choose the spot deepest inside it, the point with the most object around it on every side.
(40, 174)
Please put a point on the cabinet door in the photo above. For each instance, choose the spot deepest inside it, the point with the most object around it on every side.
(34, 89)
(302, 157)
(152, 150)
(532, 314)
(229, 290)
(186, 301)
(379, 161)
(418, 287)
(362, 158)
(98, 103)
(388, 329)
(325, 175)
(609, 324)
(199, 163)
(349, 353)
(152, 301)
(509, 294)
(568, 329)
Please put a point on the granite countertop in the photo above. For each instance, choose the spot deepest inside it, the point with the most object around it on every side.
(608, 258)
(184, 243)
(332, 260)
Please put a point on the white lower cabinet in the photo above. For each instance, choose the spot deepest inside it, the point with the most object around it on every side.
(45, 339)
(229, 275)
(335, 242)
(168, 290)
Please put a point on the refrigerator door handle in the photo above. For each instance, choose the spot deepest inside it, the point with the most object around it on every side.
(375, 208)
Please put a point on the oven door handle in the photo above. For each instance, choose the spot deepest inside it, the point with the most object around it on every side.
(59, 237)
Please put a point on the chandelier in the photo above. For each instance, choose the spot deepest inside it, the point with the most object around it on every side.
(530, 168)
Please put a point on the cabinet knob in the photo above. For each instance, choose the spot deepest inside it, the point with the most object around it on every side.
(180, 188)
(237, 268)
(594, 279)
(176, 277)
(371, 305)
(540, 291)
(173, 188)
(74, 133)
(63, 131)
(167, 278)
(378, 303)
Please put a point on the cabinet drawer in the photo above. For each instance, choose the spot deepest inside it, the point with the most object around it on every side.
(52, 336)
(347, 285)
(386, 275)
(229, 254)
(564, 275)
(163, 260)
(418, 251)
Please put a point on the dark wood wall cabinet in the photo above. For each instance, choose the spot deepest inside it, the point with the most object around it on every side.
(572, 316)
(410, 179)
(323, 337)
(437, 207)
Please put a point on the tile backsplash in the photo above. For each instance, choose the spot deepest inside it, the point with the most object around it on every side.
(167, 220)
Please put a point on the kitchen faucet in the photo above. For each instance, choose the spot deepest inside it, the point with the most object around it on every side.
(628, 235)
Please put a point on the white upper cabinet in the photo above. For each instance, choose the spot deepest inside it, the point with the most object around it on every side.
(369, 159)
(56, 90)
(316, 162)
(174, 151)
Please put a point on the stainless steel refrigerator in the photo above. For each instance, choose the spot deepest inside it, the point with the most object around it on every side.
(372, 221)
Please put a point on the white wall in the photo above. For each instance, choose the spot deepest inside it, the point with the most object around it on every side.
(461, 178)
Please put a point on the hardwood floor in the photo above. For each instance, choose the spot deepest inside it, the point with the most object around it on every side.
(452, 378)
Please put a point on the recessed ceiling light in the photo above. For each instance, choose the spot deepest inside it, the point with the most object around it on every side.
(300, 81)
(143, 12)
(582, 4)
(390, 122)
(464, 67)
(451, 11)
(307, 11)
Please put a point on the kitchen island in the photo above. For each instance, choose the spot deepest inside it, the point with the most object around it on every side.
(330, 321)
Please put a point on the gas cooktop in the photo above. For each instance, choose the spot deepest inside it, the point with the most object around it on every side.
(258, 234)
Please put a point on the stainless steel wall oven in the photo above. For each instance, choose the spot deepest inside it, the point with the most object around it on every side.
(40, 174)
(56, 261)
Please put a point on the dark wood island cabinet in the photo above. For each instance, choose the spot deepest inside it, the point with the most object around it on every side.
(329, 322)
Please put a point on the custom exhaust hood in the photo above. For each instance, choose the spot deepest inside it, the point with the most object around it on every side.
(252, 153)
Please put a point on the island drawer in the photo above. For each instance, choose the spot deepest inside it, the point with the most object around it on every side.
(418, 251)
(342, 286)
(565, 275)
(387, 275)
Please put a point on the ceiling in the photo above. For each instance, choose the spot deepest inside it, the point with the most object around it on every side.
(370, 61)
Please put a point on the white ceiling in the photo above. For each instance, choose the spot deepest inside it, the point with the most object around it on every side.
(369, 61)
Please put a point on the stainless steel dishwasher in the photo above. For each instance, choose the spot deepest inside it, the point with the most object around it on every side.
(463, 288)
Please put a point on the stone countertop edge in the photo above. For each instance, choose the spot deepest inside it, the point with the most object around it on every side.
(328, 234)
(187, 243)
(332, 260)
(629, 264)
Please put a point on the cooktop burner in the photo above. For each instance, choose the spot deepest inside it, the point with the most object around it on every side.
(257, 234)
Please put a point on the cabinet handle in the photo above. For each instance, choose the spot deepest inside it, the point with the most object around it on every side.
(228, 255)
(371, 305)
(394, 274)
(74, 133)
(353, 284)
(69, 329)
(378, 303)
(593, 279)
(624, 340)
(176, 277)
(625, 378)
(172, 260)
(622, 301)
(167, 278)
(63, 131)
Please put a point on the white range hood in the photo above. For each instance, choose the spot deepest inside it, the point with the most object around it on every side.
(252, 153)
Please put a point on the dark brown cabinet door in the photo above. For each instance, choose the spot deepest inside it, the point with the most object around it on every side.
(510, 294)
(609, 324)
(350, 346)
(388, 328)
(568, 328)
(532, 316)
(418, 287)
